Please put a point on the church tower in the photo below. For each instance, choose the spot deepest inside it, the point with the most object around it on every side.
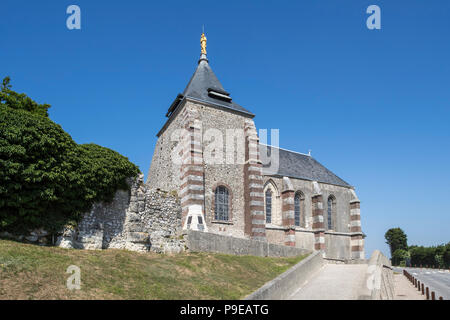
(207, 152)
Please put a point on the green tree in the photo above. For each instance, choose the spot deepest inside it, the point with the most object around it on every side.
(396, 239)
(46, 179)
(417, 255)
(20, 101)
(34, 159)
(424, 256)
(435, 256)
(400, 257)
(97, 172)
(446, 256)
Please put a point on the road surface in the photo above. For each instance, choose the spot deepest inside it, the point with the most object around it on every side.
(436, 280)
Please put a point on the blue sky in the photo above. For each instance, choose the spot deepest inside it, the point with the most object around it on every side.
(372, 105)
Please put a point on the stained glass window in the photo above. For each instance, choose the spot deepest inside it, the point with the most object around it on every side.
(330, 211)
(297, 208)
(221, 203)
(268, 206)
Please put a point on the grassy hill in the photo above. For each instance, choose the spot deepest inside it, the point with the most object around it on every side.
(33, 272)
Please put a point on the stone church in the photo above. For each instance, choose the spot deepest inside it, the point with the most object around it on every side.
(208, 152)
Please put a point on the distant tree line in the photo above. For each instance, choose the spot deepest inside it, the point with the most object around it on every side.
(404, 255)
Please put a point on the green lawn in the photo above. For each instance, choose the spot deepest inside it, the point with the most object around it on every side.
(34, 272)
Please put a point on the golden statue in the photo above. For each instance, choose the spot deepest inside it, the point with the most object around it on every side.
(203, 43)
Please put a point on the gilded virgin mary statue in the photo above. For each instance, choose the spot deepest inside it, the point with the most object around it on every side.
(203, 43)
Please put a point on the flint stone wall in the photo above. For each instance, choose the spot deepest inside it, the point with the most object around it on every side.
(164, 172)
(141, 219)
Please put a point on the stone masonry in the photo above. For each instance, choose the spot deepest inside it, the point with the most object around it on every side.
(205, 113)
(254, 204)
(207, 174)
(287, 197)
(140, 220)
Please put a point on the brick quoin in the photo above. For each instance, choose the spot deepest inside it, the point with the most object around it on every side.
(288, 218)
(318, 222)
(192, 172)
(254, 219)
(357, 240)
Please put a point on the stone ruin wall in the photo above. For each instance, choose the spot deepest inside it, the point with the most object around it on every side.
(142, 219)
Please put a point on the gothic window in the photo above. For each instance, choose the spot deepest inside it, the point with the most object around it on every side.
(272, 205)
(330, 211)
(268, 206)
(298, 208)
(221, 204)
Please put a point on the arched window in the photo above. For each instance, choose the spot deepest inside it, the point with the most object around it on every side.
(269, 206)
(272, 203)
(298, 208)
(330, 211)
(221, 202)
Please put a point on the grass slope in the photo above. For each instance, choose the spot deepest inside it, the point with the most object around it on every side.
(33, 272)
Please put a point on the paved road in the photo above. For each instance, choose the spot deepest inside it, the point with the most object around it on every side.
(333, 282)
(438, 281)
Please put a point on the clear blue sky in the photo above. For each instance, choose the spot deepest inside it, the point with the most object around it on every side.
(373, 105)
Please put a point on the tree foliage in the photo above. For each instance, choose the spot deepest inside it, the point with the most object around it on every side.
(401, 254)
(46, 179)
(100, 172)
(396, 239)
(435, 256)
(20, 101)
(34, 161)
(400, 257)
(446, 256)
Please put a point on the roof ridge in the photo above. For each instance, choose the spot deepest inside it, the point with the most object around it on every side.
(304, 154)
(304, 166)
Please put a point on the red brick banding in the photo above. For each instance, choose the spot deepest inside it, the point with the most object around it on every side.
(288, 216)
(357, 240)
(192, 171)
(253, 214)
(318, 222)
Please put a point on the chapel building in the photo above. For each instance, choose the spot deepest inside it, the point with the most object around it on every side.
(209, 153)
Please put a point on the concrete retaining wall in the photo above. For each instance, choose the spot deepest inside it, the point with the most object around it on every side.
(379, 284)
(210, 242)
(283, 286)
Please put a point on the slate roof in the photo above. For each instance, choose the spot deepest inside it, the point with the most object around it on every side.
(301, 166)
(200, 86)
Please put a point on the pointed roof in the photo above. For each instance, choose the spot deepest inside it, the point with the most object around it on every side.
(205, 87)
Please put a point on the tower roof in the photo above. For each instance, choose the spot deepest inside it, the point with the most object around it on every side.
(205, 87)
